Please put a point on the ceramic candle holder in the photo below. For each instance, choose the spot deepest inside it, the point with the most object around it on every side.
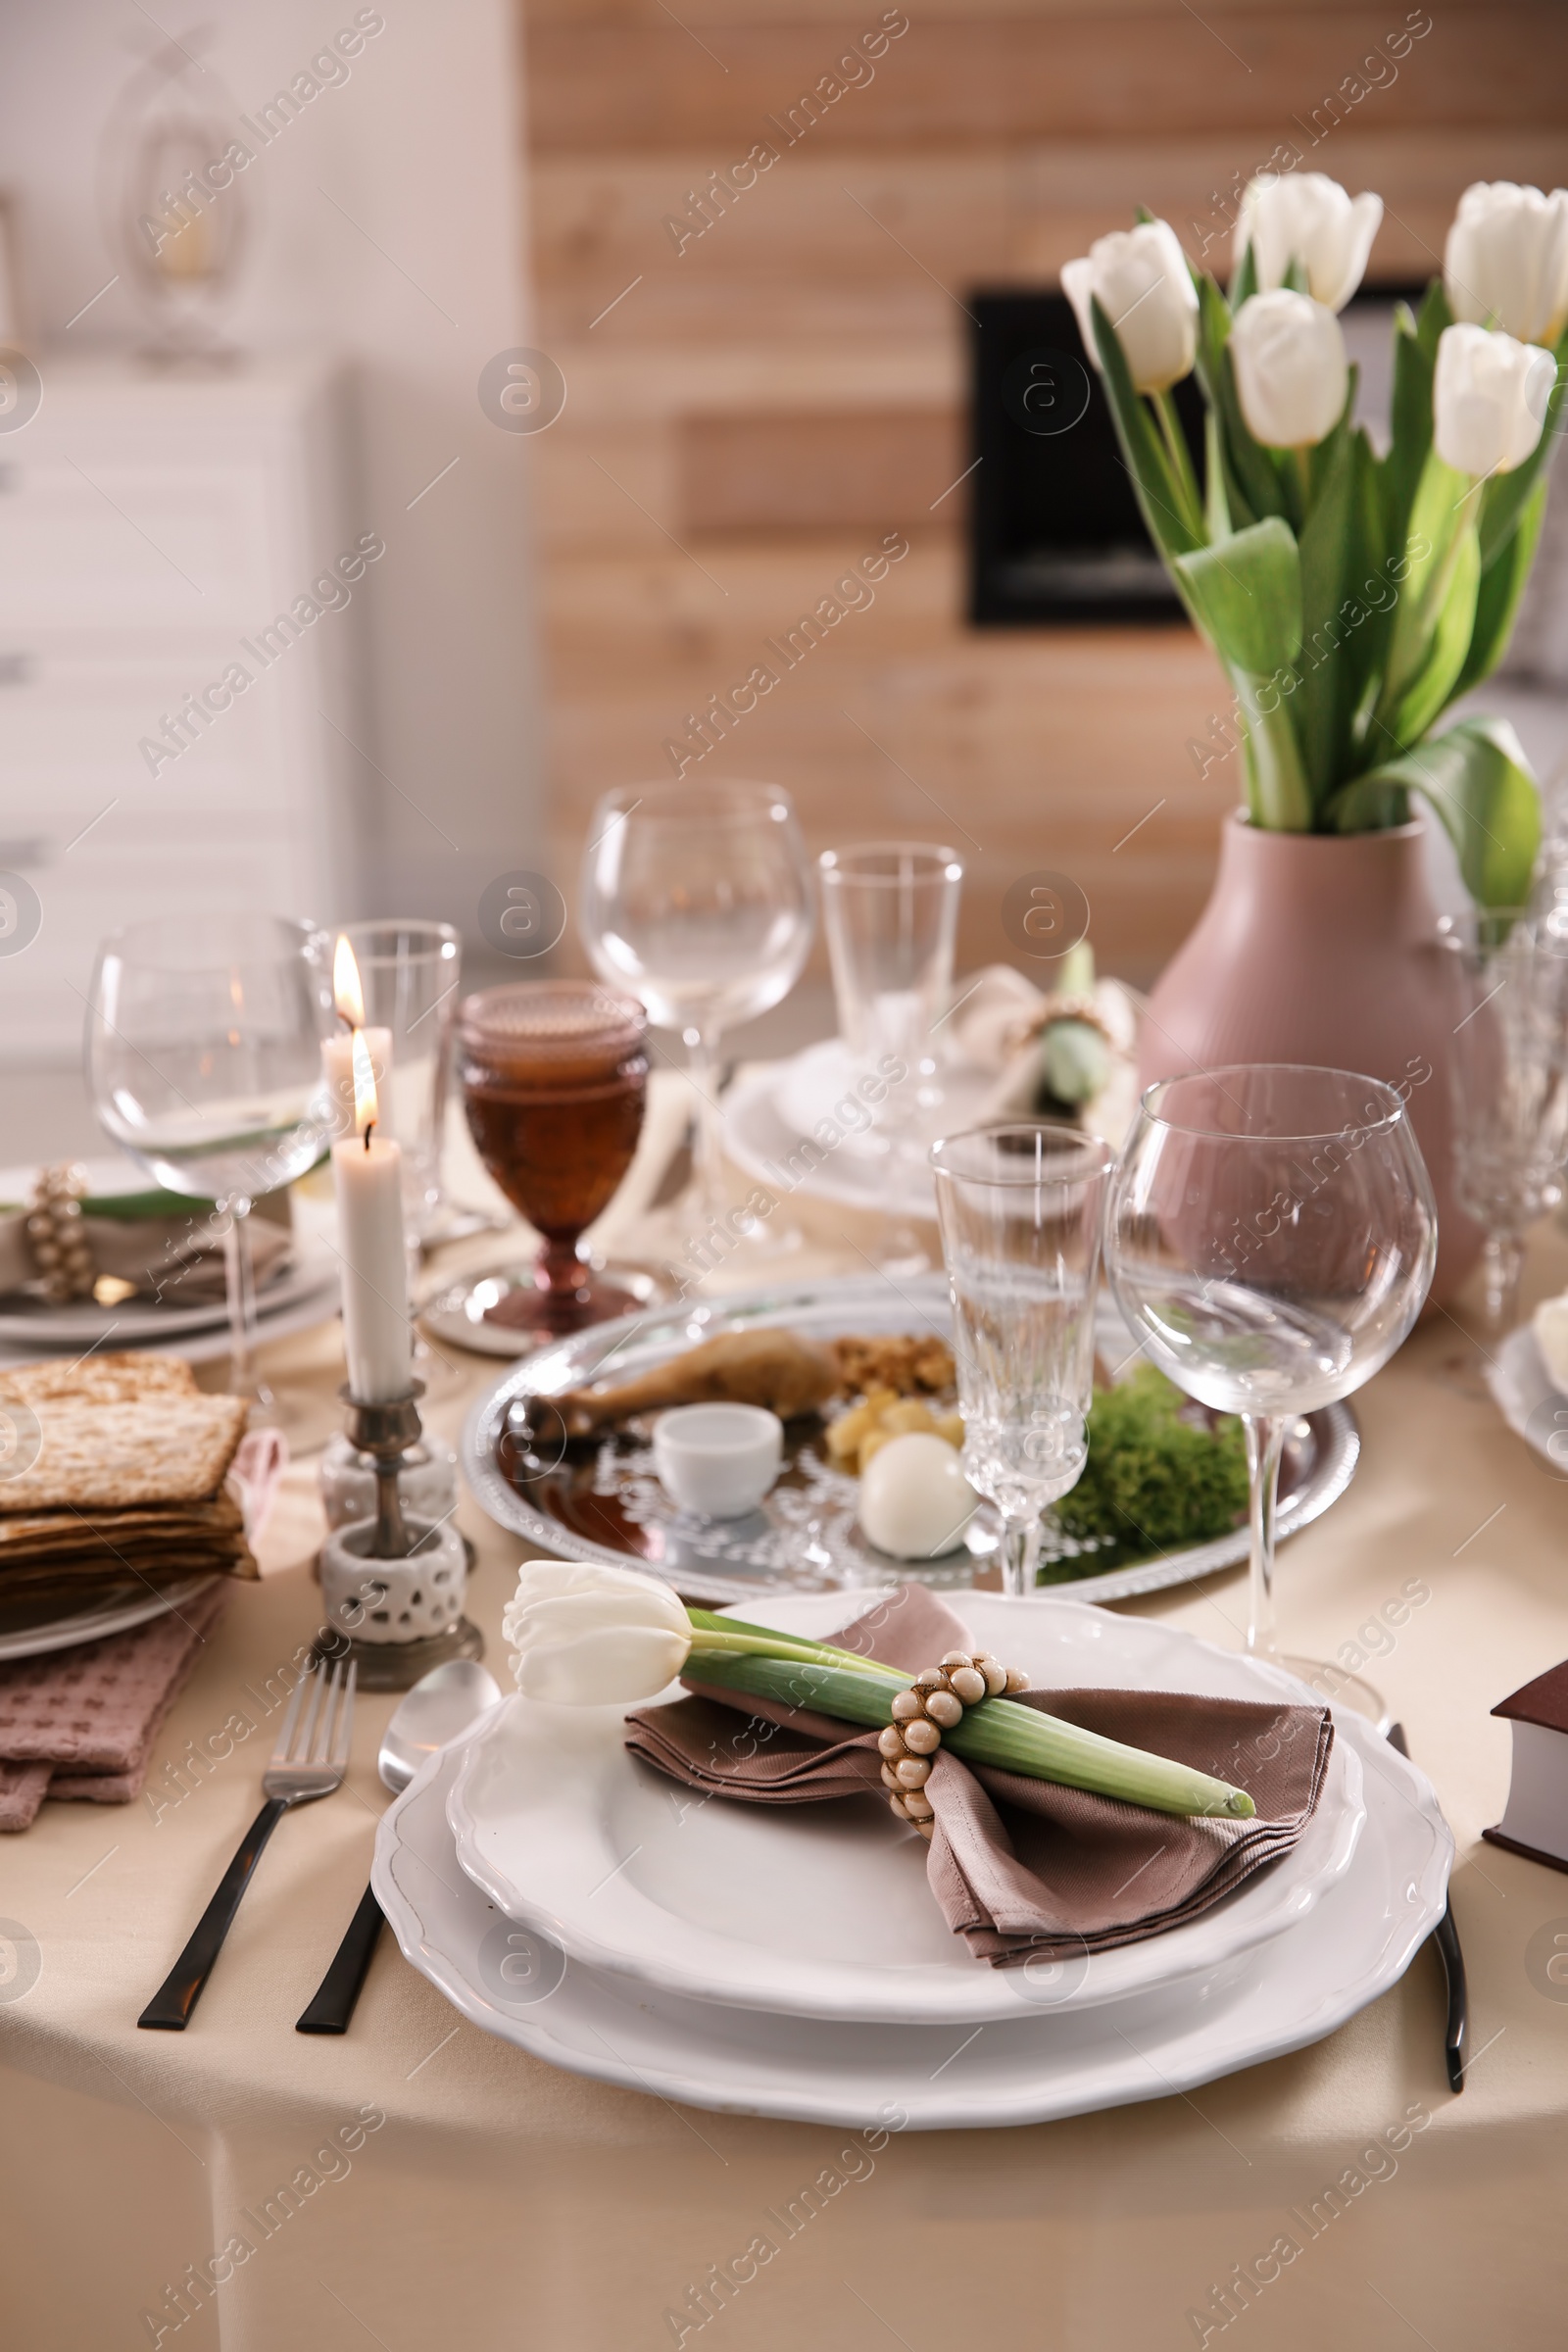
(390, 1603)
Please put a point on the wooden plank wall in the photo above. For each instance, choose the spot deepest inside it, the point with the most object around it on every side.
(751, 408)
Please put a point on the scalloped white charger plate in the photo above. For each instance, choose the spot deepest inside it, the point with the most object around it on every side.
(1043, 2064)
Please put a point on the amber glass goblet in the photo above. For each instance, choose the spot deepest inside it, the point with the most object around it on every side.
(555, 1078)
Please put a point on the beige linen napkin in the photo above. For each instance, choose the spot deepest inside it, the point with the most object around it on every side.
(1024, 1868)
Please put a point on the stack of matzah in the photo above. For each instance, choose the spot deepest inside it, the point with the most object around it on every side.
(114, 1475)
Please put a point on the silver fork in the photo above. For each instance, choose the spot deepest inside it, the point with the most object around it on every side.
(310, 1759)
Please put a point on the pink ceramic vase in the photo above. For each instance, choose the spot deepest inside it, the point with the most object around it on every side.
(1322, 948)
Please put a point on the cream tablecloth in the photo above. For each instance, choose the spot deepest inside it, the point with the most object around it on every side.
(451, 2192)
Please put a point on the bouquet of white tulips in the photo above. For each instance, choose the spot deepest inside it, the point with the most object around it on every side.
(1351, 597)
(586, 1635)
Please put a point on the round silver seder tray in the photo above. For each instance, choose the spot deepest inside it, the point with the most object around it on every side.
(601, 1500)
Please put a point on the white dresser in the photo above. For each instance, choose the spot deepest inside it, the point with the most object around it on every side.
(153, 526)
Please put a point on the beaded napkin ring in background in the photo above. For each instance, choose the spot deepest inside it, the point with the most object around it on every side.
(61, 1250)
(934, 1702)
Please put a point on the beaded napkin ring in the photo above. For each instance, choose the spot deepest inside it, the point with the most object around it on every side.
(61, 1250)
(934, 1702)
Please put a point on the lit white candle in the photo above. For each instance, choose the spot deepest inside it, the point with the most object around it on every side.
(367, 1175)
(337, 1053)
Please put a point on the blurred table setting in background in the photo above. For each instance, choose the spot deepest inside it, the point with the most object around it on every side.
(776, 1242)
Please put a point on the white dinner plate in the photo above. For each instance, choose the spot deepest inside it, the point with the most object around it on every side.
(135, 1321)
(1040, 2065)
(824, 1910)
(31, 1633)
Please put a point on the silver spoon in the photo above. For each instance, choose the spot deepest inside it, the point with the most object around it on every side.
(441, 1704)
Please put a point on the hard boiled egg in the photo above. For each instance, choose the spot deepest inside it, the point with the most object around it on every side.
(915, 1501)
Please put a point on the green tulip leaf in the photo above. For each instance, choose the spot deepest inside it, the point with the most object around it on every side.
(1502, 584)
(1478, 781)
(1251, 480)
(1247, 594)
(1443, 517)
(1161, 496)
(1415, 352)
(1331, 615)
(1244, 282)
(1436, 682)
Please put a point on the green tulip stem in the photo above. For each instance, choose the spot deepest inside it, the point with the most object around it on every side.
(1181, 461)
(738, 1640)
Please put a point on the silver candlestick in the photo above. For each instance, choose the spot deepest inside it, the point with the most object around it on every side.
(394, 1585)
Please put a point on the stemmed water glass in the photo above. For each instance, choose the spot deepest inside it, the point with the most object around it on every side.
(696, 897)
(1509, 1073)
(204, 1062)
(1270, 1240)
(1021, 1208)
(890, 910)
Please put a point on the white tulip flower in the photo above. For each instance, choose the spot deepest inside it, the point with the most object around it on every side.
(591, 1636)
(1488, 399)
(1141, 279)
(1506, 259)
(1308, 217)
(1291, 372)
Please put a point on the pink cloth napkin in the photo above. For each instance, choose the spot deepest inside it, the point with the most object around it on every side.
(81, 1723)
(1023, 1869)
(255, 1476)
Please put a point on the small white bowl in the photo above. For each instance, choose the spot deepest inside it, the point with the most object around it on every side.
(717, 1461)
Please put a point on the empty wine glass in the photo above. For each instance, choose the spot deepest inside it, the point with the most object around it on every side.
(697, 897)
(1509, 1073)
(889, 910)
(204, 1062)
(1270, 1240)
(1020, 1208)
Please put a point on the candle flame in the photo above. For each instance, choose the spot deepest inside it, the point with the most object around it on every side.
(347, 994)
(366, 1110)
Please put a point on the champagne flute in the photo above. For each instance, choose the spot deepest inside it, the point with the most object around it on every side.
(1270, 1240)
(1021, 1208)
(889, 910)
(204, 1062)
(697, 897)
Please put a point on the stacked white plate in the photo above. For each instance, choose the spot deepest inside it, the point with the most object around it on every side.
(770, 1114)
(791, 1961)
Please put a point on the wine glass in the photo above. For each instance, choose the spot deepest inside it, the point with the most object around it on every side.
(1510, 1078)
(1270, 1240)
(204, 1063)
(889, 910)
(697, 897)
(1021, 1208)
(555, 1077)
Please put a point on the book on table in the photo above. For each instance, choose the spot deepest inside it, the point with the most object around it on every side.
(1535, 1821)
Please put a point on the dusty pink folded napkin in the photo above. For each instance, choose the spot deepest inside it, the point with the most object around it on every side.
(81, 1723)
(1023, 1869)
